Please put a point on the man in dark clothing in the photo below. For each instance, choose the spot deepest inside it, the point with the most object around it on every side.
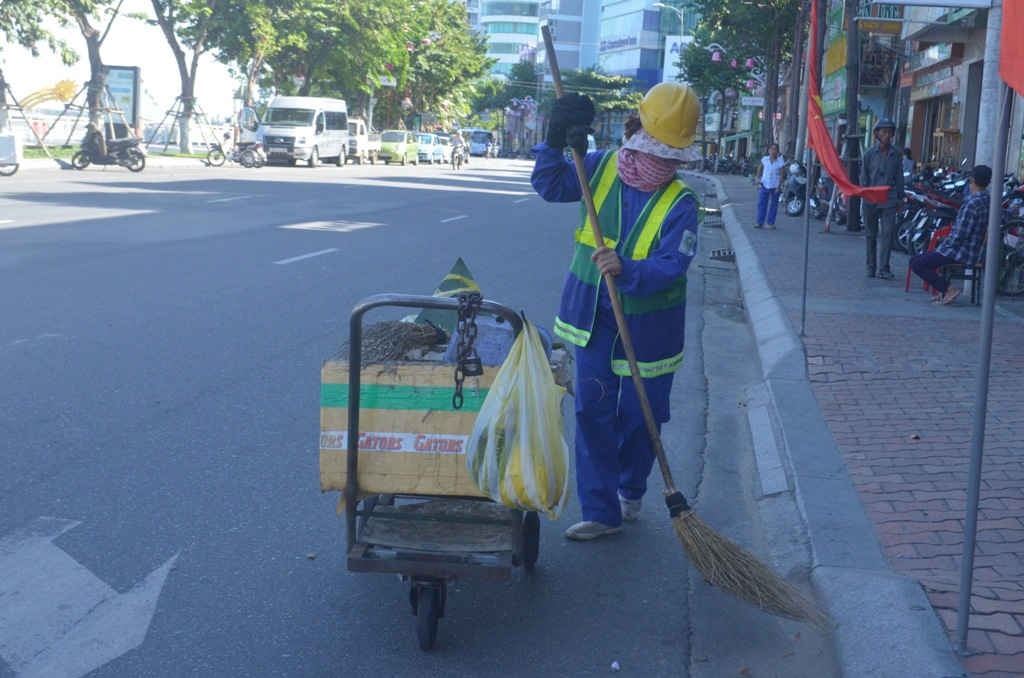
(964, 243)
(882, 166)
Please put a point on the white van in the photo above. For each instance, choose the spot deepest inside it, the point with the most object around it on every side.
(305, 129)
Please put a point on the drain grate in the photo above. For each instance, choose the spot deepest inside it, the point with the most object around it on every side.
(711, 217)
(723, 254)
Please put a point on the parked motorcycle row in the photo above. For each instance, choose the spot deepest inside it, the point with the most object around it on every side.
(933, 200)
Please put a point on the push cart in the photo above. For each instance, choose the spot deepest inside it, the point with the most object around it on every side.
(411, 511)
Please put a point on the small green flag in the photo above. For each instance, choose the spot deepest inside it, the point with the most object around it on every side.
(459, 280)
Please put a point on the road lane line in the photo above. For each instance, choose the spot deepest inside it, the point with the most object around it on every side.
(6, 221)
(229, 199)
(305, 256)
(451, 219)
(520, 200)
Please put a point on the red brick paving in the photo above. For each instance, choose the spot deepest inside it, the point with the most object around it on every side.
(895, 379)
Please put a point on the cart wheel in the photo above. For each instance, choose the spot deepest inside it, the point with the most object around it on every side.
(531, 540)
(428, 610)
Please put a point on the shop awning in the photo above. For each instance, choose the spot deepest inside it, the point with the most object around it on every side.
(736, 137)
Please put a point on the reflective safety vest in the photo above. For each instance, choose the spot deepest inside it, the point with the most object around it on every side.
(655, 321)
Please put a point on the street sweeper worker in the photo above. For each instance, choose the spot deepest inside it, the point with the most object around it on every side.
(648, 218)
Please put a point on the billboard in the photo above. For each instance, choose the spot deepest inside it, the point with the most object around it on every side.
(674, 46)
(124, 85)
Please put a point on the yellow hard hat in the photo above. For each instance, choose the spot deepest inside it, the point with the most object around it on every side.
(669, 113)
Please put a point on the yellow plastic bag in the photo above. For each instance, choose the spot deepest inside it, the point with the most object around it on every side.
(517, 454)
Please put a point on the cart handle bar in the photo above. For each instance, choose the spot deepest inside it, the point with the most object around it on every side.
(355, 361)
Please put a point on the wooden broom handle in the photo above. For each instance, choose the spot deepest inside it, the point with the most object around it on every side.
(609, 279)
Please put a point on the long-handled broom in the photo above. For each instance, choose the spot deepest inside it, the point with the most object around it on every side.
(720, 561)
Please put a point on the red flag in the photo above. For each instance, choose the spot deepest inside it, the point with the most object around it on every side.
(817, 134)
(1011, 47)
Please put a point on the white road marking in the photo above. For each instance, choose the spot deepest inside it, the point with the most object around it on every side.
(6, 221)
(229, 199)
(305, 256)
(59, 619)
(520, 200)
(333, 226)
(451, 219)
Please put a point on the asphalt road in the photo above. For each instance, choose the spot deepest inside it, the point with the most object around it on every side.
(161, 336)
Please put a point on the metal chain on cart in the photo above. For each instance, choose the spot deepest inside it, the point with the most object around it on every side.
(467, 362)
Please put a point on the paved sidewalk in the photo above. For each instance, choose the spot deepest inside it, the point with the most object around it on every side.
(894, 377)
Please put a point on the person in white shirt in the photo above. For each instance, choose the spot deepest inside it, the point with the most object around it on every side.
(769, 177)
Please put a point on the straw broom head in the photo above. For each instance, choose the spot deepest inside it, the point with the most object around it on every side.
(734, 570)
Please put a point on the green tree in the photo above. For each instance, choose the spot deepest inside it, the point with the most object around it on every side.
(247, 36)
(23, 22)
(754, 29)
(186, 25)
(711, 79)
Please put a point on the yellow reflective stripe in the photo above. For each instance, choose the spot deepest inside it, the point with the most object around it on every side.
(653, 224)
(570, 333)
(585, 236)
(649, 370)
(609, 172)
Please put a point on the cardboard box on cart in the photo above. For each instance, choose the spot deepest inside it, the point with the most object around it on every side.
(412, 440)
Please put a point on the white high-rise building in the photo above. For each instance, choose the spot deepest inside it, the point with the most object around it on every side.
(512, 28)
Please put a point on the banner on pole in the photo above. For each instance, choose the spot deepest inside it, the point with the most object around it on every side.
(817, 134)
(1011, 47)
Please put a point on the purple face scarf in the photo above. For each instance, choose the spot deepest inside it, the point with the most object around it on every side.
(645, 172)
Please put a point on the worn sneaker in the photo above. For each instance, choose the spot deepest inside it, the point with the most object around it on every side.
(871, 272)
(757, 225)
(630, 508)
(589, 529)
(886, 275)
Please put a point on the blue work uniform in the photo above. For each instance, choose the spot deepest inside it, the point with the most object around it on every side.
(614, 454)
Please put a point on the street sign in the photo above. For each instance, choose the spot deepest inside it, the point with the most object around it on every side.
(388, 81)
(752, 101)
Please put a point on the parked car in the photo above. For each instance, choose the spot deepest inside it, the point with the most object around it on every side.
(398, 146)
(363, 143)
(305, 129)
(429, 147)
(479, 140)
(445, 144)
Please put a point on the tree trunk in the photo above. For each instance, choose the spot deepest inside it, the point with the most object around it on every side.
(771, 98)
(4, 122)
(796, 70)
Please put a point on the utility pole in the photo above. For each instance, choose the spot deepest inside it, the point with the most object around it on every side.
(796, 124)
(853, 136)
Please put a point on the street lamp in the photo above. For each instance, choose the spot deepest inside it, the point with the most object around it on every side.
(680, 12)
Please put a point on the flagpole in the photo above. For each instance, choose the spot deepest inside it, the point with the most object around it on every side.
(995, 212)
(807, 248)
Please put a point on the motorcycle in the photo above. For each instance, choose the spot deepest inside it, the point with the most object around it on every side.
(459, 154)
(123, 152)
(819, 198)
(1011, 265)
(245, 153)
(794, 193)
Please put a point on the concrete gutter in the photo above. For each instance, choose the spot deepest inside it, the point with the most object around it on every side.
(884, 622)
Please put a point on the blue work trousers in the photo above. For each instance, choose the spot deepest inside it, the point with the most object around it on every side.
(767, 205)
(614, 454)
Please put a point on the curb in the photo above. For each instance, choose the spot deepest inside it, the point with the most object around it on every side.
(884, 622)
(33, 164)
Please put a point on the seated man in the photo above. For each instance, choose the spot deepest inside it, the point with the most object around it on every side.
(963, 244)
